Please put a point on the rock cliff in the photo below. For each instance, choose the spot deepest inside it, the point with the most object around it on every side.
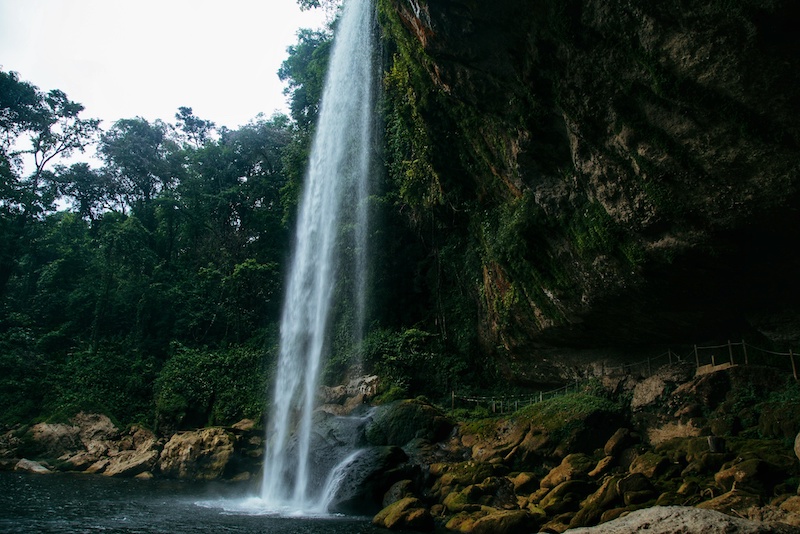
(600, 172)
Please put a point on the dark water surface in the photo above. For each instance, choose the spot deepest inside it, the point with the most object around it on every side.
(94, 503)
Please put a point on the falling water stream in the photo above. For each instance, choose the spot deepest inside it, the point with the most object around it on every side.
(335, 192)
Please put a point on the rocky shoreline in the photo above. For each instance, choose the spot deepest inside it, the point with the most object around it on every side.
(672, 446)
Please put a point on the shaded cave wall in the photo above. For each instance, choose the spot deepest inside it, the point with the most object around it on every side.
(598, 173)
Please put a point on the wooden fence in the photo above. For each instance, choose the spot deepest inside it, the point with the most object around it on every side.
(706, 359)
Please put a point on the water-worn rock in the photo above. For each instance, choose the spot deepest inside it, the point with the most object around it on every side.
(565, 497)
(572, 466)
(53, 440)
(673, 519)
(735, 500)
(406, 514)
(504, 522)
(650, 464)
(140, 454)
(368, 477)
(402, 421)
(29, 466)
(617, 442)
(749, 474)
(200, 454)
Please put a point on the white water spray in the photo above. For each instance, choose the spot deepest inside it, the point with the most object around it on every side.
(335, 191)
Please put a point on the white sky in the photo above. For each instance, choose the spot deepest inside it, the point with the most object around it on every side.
(129, 58)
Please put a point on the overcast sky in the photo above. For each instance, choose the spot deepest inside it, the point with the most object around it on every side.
(128, 58)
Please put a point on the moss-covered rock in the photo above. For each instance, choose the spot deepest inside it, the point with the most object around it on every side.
(406, 514)
(573, 466)
(400, 422)
(504, 522)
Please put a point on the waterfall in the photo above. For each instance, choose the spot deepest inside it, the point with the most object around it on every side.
(334, 196)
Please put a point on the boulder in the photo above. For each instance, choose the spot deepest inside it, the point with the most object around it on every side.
(95, 428)
(406, 514)
(131, 463)
(592, 508)
(672, 519)
(399, 422)
(602, 467)
(753, 474)
(494, 492)
(636, 489)
(54, 440)
(525, 482)
(565, 497)
(200, 454)
(504, 522)
(737, 501)
(140, 454)
(367, 479)
(620, 440)
(650, 464)
(573, 466)
(29, 466)
(398, 490)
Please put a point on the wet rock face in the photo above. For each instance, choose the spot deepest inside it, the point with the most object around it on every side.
(667, 132)
(198, 455)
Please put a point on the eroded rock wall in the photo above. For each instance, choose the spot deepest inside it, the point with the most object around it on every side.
(610, 172)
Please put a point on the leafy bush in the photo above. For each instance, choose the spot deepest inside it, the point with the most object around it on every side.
(199, 387)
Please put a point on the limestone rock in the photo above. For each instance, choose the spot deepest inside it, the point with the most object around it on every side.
(525, 483)
(750, 474)
(735, 500)
(29, 466)
(565, 497)
(140, 456)
(650, 464)
(367, 480)
(602, 467)
(200, 454)
(245, 425)
(672, 519)
(95, 427)
(504, 522)
(572, 466)
(400, 422)
(398, 490)
(617, 442)
(54, 440)
(406, 514)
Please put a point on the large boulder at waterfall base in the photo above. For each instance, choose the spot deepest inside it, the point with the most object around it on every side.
(368, 478)
(399, 422)
(200, 454)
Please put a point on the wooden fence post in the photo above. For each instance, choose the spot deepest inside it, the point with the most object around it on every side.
(744, 349)
(696, 356)
(794, 367)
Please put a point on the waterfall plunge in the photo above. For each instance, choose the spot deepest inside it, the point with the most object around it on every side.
(335, 191)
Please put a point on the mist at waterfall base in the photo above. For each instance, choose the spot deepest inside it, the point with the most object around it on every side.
(77, 503)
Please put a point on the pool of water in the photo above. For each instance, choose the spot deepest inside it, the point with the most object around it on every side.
(94, 503)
